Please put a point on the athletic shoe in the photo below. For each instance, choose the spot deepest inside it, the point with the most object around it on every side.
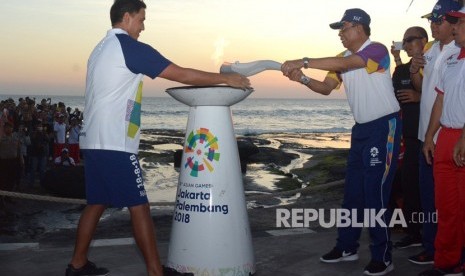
(456, 271)
(408, 241)
(335, 256)
(168, 271)
(422, 258)
(378, 268)
(89, 269)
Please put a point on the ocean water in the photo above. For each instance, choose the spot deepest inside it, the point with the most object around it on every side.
(251, 116)
(295, 117)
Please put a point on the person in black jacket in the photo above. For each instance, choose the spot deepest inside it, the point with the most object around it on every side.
(415, 39)
(38, 153)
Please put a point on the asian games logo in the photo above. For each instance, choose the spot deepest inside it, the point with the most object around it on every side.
(374, 160)
(201, 150)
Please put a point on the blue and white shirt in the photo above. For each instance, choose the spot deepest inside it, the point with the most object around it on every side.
(113, 96)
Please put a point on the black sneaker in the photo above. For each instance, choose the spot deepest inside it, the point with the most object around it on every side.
(378, 268)
(89, 269)
(422, 258)
(168, 271)
(408, 241)
(456, 271)
(335, 256)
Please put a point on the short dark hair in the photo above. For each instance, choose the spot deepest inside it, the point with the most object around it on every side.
(421, 31)
(366, 29)
(120, 7)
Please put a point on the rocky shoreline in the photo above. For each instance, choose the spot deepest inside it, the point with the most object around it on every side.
(288, 170)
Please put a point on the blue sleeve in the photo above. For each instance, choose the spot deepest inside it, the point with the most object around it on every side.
(142, 58)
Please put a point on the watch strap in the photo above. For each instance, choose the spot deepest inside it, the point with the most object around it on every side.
(306, 61)
(304, 80)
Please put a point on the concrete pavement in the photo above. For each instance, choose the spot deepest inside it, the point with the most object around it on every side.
(289, 252)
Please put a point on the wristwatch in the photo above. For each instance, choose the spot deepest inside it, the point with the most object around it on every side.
(306, 60)
(304, 80)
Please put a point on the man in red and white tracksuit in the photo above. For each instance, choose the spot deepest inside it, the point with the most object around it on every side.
(449, 157)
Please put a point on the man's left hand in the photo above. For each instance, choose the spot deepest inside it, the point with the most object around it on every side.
(291, 65)
(459, 152)
(408, 96)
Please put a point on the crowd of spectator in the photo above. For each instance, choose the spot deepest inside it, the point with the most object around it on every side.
(32, 136)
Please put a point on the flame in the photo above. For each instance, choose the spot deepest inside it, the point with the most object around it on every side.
(220, 44)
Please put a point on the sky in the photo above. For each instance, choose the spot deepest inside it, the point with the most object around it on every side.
(46, 43)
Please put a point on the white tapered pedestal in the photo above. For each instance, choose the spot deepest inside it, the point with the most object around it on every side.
(210, 233)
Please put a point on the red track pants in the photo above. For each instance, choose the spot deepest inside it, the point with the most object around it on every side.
(450, 201)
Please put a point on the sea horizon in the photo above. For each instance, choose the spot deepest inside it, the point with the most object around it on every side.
(39, 97)
(250, 117)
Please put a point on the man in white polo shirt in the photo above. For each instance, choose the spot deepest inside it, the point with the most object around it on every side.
(449, 156)
(111, 130)
(424, 73)
(375, 140)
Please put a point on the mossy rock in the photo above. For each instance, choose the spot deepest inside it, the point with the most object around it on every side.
(327, 167)
(288, 183)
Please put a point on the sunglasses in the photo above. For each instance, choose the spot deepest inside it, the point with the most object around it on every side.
(343, 29)
(410, 39)
(439, 19)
